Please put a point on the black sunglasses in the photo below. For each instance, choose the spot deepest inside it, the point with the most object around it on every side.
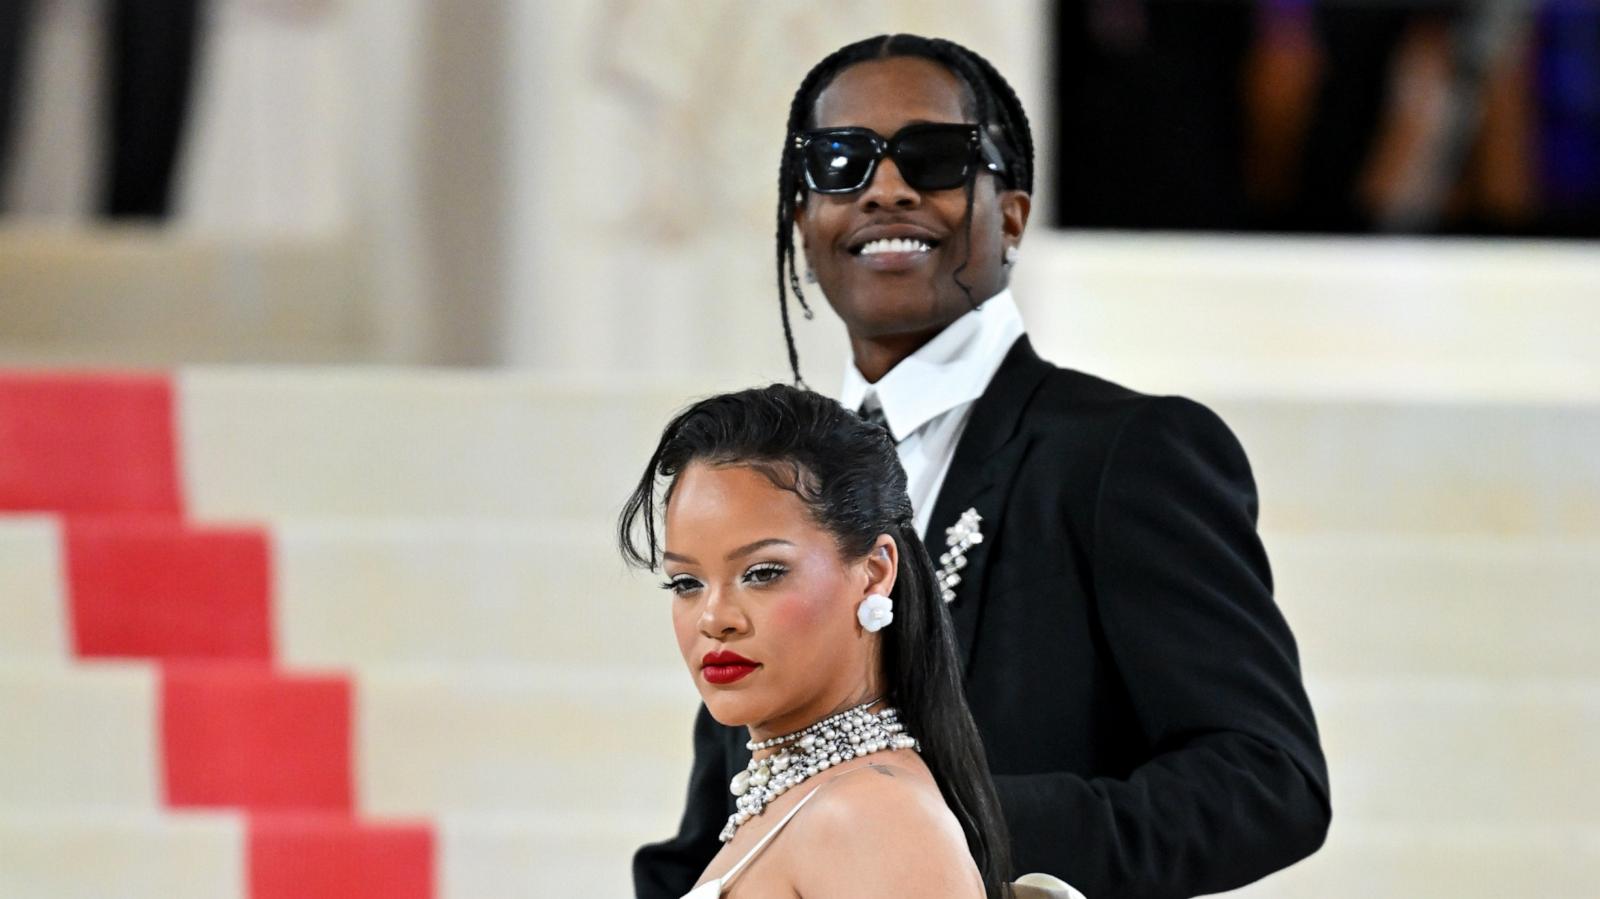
(929, 156)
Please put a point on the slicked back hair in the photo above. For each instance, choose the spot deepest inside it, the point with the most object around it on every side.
(996, 109)
(846, 472)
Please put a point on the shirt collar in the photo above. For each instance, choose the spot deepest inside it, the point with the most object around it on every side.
(948, 371)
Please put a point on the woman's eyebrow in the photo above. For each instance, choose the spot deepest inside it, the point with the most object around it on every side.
(752, 547)
(745, 550)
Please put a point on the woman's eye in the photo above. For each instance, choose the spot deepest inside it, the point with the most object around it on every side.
(681, 584)
(765, 574)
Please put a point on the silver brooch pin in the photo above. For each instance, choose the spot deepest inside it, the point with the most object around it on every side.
(960, 537)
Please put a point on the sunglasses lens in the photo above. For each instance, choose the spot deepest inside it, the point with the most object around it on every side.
(839, 162)
(934, 158)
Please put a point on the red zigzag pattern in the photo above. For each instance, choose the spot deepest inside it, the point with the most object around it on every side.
(237, 732)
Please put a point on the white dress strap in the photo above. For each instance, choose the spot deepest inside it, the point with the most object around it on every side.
(715, 887)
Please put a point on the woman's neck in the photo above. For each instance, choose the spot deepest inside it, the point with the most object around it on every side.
(784, 727)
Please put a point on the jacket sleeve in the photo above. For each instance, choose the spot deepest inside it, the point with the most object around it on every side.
(669, 869)
(1235, 786)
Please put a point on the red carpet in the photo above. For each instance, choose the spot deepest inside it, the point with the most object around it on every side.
(88, 443)
(100, 451)
(158, 588)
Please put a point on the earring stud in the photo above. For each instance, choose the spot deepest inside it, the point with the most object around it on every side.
(875, 613)
(1011, 255)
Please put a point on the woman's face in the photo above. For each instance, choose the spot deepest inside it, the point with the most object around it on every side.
(895, 294)
(753, 578)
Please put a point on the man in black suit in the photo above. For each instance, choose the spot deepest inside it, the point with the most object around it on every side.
(1137, 690)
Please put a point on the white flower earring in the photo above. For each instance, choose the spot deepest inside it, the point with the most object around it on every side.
(875, 613)
(1011, 255)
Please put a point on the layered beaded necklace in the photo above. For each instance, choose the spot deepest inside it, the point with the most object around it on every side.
(803, 754)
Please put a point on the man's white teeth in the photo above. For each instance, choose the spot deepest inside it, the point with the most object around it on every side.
(895, 245)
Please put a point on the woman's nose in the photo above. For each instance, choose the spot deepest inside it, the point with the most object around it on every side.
(721, 616)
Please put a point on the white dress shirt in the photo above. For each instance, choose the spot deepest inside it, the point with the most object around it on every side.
(928, 397)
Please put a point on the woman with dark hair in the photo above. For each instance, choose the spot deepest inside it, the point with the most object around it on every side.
(806, 609)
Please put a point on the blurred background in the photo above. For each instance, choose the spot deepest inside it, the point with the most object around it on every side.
(334, 331)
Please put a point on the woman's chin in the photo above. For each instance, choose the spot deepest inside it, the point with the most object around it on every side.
(729, 713)
(735, 709)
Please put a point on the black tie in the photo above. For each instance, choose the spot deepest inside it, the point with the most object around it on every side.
(875, 415)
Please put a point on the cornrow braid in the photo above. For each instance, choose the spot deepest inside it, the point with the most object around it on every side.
(998, 111)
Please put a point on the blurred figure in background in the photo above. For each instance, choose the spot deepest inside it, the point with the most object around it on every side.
(150, 49)
(1413, 116)
(1567, 73)
(1148, 115)
(13, 25)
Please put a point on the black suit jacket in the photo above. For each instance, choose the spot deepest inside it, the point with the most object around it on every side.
(1137, 690)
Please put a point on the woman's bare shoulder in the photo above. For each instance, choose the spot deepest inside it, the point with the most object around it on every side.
(882, 830)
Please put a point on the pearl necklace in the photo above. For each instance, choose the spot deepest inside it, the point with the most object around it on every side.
(802, 754)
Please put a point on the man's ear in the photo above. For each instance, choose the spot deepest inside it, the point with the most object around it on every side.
(800, 222)
(1015, 205)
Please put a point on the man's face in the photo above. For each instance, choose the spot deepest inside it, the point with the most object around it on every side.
(911, 292)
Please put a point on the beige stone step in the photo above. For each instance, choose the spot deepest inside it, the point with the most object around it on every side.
(159, 296)
(1442, 859)
(594, 736)
(1403, 752)
(82, 737)
(34, 621)
(1498, 608)
(1427, 774)
(393, 592)
(335, 443)
(1399, 319)
(130, 855)
(425, 740)
(371, 593)
(572, 852)
(1209, 314)
(340, 443)
(71, 855)
(1425, 468)
(1424, 752)
(602, 737)
(94, 854)
(378, 593)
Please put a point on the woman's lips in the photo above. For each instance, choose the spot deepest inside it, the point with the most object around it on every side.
(725, 674)
(726, 667)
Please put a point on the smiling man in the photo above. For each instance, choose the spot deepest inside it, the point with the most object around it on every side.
(1137, 690)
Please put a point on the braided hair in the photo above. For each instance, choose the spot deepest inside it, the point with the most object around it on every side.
(997, 110)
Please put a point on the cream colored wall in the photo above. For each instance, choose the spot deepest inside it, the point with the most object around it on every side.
(564, 186)
(657, 128)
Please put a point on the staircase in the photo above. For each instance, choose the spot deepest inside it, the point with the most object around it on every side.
(318, 632)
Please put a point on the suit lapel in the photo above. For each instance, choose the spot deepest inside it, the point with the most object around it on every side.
(980, 478)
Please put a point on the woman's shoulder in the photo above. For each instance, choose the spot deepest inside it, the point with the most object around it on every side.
(882, 828)
(880, 788)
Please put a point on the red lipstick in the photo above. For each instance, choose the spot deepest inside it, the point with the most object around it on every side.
(725, 667)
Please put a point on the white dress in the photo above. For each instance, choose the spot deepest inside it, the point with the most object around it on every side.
(1041, 886)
